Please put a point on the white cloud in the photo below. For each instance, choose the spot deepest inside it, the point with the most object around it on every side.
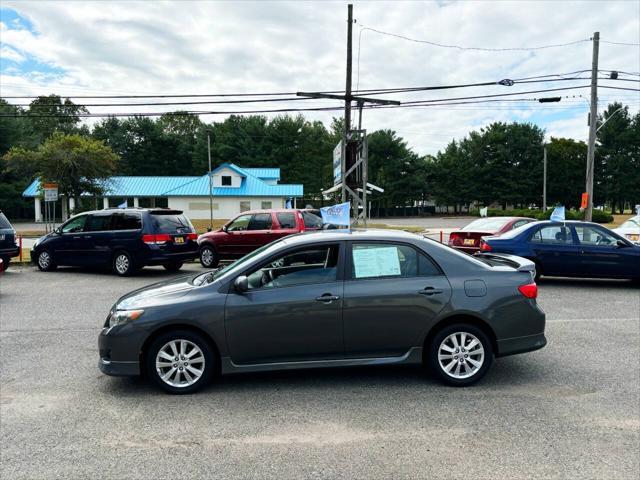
(214, 47)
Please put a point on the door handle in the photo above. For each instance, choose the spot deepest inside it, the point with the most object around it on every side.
(78, 237)
(430, 291)
(327, 298)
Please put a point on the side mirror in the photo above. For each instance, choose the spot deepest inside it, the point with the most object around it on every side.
(621, 244)
(224, 228)
(241, 284)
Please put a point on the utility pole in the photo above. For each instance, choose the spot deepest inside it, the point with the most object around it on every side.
(210, 181)
(353, 162)
(593, 121)
(544, 181)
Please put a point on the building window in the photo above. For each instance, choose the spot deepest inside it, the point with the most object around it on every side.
(244, 206)
(226, 180)
(266, 205)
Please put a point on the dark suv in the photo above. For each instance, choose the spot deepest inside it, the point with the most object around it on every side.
(8, 247)
(124, 239)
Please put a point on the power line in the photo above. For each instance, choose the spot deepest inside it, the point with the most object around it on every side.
(483, 49)
(621, 43)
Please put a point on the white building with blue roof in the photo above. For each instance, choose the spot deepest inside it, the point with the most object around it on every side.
(235, 190)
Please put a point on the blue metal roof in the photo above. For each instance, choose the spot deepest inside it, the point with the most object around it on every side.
(252, 185)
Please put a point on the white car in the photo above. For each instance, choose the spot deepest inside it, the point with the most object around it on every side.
(630, 229)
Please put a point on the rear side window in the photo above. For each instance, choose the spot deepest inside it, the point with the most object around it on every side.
(128, 221)
(286, 219)
(171, 223)
(311, 220)
(260, 221)
(553, 234)
(4, 223)
(380, 260)
(98, 223)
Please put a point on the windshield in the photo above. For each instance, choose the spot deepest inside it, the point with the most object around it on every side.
(631, 223)
(490, 224)
(4, 223)
(210, 276)
(172, 222)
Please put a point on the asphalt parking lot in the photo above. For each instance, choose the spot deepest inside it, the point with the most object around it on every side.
(569, 410)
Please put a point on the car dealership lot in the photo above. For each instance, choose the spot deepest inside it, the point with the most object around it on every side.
(571, 409)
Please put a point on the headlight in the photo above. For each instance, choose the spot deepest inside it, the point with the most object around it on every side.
(120, 317)
(36, 243)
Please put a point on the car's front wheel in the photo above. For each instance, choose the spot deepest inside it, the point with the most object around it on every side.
(460, 354)
(45, 261)
(209, 258)
(180, 361)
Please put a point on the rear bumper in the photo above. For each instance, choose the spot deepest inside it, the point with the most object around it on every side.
(513, 346)
(10, 252)
(159, 259)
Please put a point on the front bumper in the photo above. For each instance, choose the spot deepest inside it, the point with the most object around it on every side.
(513, 346)
(119, 369)
(120, 350)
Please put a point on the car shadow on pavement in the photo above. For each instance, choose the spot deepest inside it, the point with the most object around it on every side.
(147, 272)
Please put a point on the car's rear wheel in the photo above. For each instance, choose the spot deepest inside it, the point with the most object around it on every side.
(5, 263)
(460, 354)
(209, 258)
(45, 261)
(180, 361)
(173, 266)
(123, 264)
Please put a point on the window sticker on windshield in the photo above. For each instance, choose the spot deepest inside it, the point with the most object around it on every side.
(376, 262)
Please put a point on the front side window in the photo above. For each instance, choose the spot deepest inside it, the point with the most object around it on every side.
(98, 223)
(240, 224)
(380, 260)
(594, 236)
(317, 264)
(260, 221)
(128, 221)
(553, 235)
(286, 219)
(226, 180)
(75, 225)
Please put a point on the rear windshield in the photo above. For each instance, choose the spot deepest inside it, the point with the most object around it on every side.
(631, 223)
(4, 223)
(172, 222)
(311, 220)
(490, 224)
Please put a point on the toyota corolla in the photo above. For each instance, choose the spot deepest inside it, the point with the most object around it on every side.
(328, 299)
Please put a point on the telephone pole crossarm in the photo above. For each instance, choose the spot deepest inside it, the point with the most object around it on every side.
(352, 98)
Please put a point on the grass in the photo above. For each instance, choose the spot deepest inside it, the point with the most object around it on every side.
(201, 226)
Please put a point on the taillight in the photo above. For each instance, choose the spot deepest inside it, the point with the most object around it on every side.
(158, 239)
(192, 236)
(484, 246)
(454, 239)
(530, 290)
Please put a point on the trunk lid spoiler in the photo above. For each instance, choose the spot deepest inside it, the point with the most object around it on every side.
(502, 259)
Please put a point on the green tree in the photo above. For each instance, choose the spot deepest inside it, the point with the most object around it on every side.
(49, 114)
(565, 171)
(79, 165)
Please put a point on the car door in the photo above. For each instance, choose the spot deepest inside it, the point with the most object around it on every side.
(235, 243)
(97, 238)
(292, 310)
(555, 250)
(259, 232)
(286, 224)
(392, 294)
(69, 245)
(600, 255)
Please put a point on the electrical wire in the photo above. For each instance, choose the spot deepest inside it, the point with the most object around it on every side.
(620, 43)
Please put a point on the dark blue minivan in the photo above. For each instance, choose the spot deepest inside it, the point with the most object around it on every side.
(125, 240)
(8, 247)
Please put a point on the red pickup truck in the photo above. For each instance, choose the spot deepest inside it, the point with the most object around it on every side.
(251, 230)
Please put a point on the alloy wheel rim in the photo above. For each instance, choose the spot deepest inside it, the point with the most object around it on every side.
(122, 263)
(43, 260)
(461, 355)
(207, 256)
(180, 363)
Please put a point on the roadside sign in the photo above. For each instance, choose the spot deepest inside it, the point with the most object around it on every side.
(585, 200)
(50, 192)
(337, 164)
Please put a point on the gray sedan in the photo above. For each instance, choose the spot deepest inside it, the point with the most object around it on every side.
(328, 299)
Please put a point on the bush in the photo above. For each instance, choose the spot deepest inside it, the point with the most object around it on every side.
(599, 216)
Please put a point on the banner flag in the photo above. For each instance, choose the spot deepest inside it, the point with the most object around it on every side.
(337, 214)
(123, 205)
(558, 214)
(484, 211)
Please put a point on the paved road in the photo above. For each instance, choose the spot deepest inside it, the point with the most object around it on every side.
(569, 410)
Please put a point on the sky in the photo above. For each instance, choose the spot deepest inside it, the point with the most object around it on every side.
(143, 47)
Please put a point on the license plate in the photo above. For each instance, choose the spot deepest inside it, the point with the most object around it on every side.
(469, 241)
(179, 239)
(633, 238)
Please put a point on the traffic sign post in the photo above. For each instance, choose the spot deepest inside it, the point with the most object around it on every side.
(50, 197)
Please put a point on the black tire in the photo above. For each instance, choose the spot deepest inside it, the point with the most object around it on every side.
(478, 373)
(209, 257)
(173, 266)
(538, 272)
(45, 261)
(193, 338)
(5, 263)
(122, 264)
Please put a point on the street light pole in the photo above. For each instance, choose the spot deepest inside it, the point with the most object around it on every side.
(593, 120)
(210, 182)
(544, 181)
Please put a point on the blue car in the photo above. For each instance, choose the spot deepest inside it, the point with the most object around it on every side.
(570, 249)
